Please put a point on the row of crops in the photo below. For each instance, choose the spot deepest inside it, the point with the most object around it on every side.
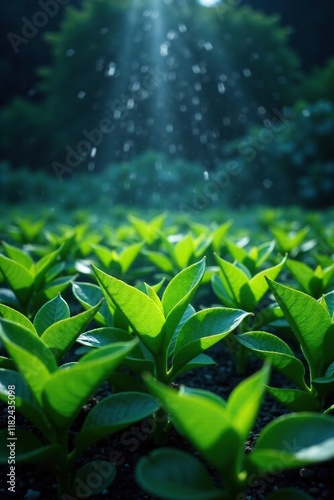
(138, 305)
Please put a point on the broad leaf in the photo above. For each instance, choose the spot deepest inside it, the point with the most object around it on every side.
(114, 413)
(16, 317)
(205, 423)
(271, 348)
(52, 312)
(33, 359)
(18, 277)
(65, 393)
(245, 401)
(203, 330)
(19, 256)
(25, 402)
(295, 440)
(294, 399)
(308, 320)
(258, 284)
(173, 474)
(235, 283)
(178, 295)
(60, 336)
(89, 295)
(140, 310)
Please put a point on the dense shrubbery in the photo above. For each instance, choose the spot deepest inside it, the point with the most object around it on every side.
(289, 159)
(245, 64)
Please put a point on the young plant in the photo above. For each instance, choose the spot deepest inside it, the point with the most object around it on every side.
(173, 337)
(314, 282)
(52, 397)
(32, 283)
(52, 324)
(236, 287)
(253, 258)
(292, 242)
(312, 324)
(178, 252)
(218, 429)
(117, 263)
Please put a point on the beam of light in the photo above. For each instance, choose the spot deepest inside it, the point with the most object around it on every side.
(208, 3)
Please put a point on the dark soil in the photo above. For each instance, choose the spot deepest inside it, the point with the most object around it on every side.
(128, 446)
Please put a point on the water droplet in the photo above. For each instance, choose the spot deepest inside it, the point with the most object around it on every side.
(112, 69)
(81, 94)
(221, 88)
(70, 52)
(93, 153)
(164, 49)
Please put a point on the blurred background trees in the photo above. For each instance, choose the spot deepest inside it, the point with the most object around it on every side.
(187, 82)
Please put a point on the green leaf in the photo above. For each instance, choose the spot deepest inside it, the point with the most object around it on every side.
(173, 474)
(52, 312)
(178, 295)
(113, 414)
(89, 295)
(128, 255)
(234, 283)
(205, 423)
(104, 472)
(329, 299)
(52, 288)
(25, 402)
(28, 448)
(219, 234)
(19, 256)
(294, 399)
(65, 393)
(44, 264)
(144, 316)
(203, 330)
(295, 440)
(60, 336)
(271, 348)
(160, 260)
(258, 284)
(323, 385)
(308, 320)
(19, 278)
(303, 274)
(33, 359)
(16, 317)
(101, 337)
(245, 401)
(183, 251)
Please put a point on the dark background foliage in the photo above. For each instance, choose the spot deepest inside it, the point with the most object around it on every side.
(194, 85)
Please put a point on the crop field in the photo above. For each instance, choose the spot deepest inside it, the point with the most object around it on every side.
(104, 325)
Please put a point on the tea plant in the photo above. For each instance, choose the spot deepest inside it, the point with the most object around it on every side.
(314, 282)
(31, 284)
(312, 324)
(52, 325)
(52, 397)
(173, 337)
(236, 287)
(218, 429)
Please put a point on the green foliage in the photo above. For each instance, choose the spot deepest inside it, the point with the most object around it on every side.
(31, 283)
(290, 157)
(85, 79)
(173, 336)
(218, 430)
(312, 326)
(51, 398)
